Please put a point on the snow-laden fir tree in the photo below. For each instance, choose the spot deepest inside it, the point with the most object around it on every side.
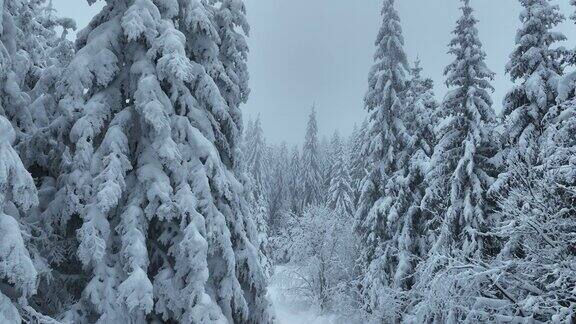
(536, 65)
(32, 55)
(461, 171)
(259, 208)
(406, 187)
(257, 164)
(462, 156)
(340, 194)
(15, 63)
(279, 193)
(421, 110)
(231, 76)
(567, 84)
(257, 160)
(535, 264)
(287, 170)
(294, 181)
(311, 165)
(404, 232)
(355, 148)
(387, 139)
(17, 196)
(326, 161)
(329, 156)
(164, 230)
(357, 159)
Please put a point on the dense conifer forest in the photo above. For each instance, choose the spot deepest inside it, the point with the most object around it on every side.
(134, 190)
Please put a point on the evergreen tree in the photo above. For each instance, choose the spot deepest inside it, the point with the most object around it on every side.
(279, 197)
(461, 170)
(165, 231)
(295, 185)
(17, 196)
(421, 110)
(231, 73)
(327, 162)
(406, 187)
(311, 172)
(340, 194)
(331, 151)
(257, 165)
(357, 159)
(535, 265)
(536, 213)
(260, 210)
(257, 160)
(385, 148)
(535, 63)
(463, 152)
(32, 54)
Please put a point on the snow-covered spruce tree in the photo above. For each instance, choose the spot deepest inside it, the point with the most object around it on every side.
(310, 164)
(164, 227)
(567, 84)
(259, 209)
(279, 195)
(462, 154)
(32, 55)
(421, 110)
(462, 171)
(295, 181)
(357, 159)
(17, 196)
(257, 164)
(288, 170)
(536, 64)
(15, 65)
(257, 160)
(385, 148)
(231, 76)
(534, 269)
(407, 223)
(326, 160)
(535, 266)
(340, 194)
(43, 149)
(328, 148)
(537, 221)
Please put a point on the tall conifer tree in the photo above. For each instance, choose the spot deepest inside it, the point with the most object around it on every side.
(311, 168)
(386, 139)
(165, 230)
(340, 194)
(461, 163)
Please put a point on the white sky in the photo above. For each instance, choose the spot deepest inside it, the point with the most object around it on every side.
(305, 51)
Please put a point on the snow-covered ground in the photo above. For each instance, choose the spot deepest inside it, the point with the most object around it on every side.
(290, 306)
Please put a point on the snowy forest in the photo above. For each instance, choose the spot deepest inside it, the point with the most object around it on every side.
(133, 189)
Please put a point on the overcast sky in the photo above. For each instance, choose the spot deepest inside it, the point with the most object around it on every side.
(305, 51)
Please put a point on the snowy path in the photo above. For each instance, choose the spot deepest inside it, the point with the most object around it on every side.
(291, 309)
